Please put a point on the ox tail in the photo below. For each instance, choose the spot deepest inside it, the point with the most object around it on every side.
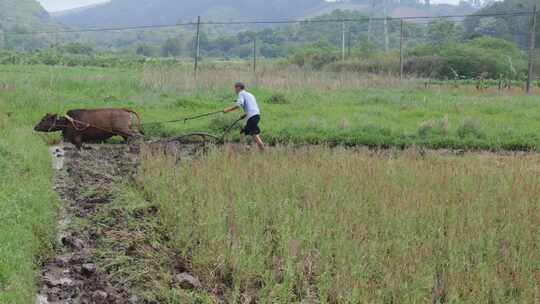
(138, 118)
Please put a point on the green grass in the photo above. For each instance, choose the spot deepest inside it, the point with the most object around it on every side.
(340, 226)
(28, 207)
(298, 107)
(339, 113)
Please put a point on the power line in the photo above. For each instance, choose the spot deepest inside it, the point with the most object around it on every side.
(299, 21)
(517, 13)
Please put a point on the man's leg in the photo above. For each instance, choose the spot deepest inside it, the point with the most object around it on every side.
(259, 142)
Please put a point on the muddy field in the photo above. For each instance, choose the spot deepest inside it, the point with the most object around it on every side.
(87, 182)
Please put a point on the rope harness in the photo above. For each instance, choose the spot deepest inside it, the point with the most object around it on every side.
(182, 119)
(53, 124)
(81, 126)
(86, 125)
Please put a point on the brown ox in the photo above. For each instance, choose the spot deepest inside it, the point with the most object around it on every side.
(80, 126)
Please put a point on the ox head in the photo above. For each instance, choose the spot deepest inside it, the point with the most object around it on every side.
(49, 123)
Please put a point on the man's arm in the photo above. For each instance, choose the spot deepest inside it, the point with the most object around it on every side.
(233, 108)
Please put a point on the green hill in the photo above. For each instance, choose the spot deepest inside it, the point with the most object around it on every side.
(18, 18)
(23, 15)
(151, 12)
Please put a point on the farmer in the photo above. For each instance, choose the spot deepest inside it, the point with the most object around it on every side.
(248, 102)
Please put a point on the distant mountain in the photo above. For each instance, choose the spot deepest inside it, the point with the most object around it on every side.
(151, 12)
(395, 10)
(76, 10)
(23, 15)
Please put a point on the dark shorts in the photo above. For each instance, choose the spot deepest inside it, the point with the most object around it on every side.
(252, 126)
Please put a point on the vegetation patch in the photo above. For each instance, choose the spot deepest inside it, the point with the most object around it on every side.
(319, 231)
(470, 127)
(434, 127)
(28, 215)
(277, 99)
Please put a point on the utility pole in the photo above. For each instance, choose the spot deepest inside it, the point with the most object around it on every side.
(198, 46)
(532, 44)
(255, 59)
(343, 40)
(349, 42)
(370, 25)
(401, 50)
(386, 38)
(2, 39)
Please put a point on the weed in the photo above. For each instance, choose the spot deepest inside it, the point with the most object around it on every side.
(434, 127)
(471, 128)
(277, 99)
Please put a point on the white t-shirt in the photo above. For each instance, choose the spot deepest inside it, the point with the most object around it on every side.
(248, 102)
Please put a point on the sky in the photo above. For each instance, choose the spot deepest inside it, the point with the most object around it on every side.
(58, 5)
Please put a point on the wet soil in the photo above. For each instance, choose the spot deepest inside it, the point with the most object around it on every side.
(87, 182)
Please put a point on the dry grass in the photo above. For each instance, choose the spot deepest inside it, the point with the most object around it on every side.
(337, 226)
(269, 76)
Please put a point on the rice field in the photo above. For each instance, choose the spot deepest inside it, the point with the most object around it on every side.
(354, 226)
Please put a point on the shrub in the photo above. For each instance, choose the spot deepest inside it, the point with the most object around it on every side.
(470, 128)
(381, 63)
(422, 65)
(315, 55)
(482, 57)
(77, 48)
(434, 127)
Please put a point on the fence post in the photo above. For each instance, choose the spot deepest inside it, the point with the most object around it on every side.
(532, 43)
(255, 60)
(197, 46)
(401, 50)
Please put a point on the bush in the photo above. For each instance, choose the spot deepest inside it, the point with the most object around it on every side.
(54, 56)
(434, 127)
(470, 128)
(77, 48)
(422, 65)
(315, 55)
(381, 63)
(479, 58)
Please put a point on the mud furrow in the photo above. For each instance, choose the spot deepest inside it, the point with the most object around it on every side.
(86, 183)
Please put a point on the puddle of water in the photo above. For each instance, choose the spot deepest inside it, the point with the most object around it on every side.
(41, 299)
(57, 152)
